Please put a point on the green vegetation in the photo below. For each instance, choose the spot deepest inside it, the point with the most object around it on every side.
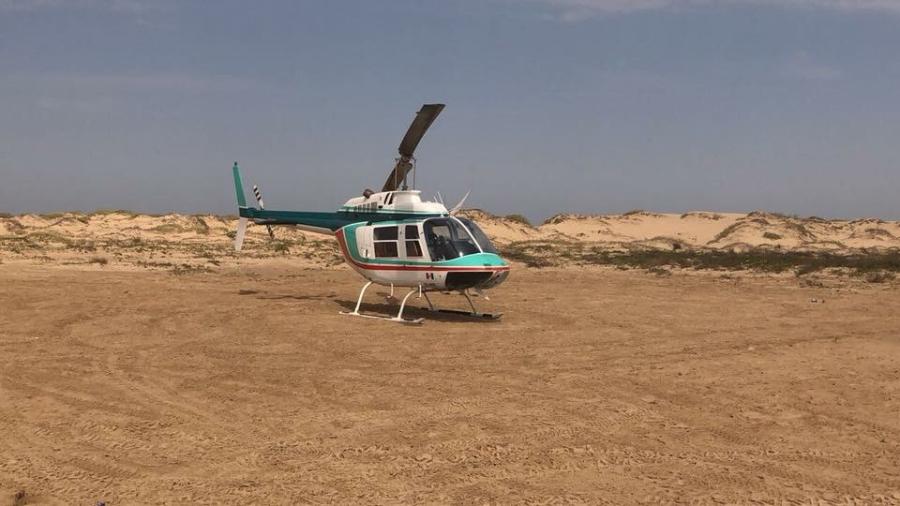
(727, 231)
(659, 271)
(52, 216)
(46, 236)
(131, 214)
(182, 269)
(879, 232)
(556, 218)
(64, 216)
(83, 245)
(201, 225)
(708, 216)
(282, 247)
(168, 228)
(524, 252)
(518, 218)
(878, 276)
(545, 254)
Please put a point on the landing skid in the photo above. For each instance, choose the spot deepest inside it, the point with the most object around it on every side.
(473, 313)
(486, 316)
(416, 321)
(398, 319)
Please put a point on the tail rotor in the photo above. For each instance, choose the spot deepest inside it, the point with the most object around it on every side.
(242, 206)
(259, 200)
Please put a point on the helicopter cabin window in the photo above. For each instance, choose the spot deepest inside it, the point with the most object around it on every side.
(413, 246)
(447, 239)
(386, 242)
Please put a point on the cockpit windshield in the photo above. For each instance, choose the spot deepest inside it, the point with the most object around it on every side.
(447, 239)
(480, 237)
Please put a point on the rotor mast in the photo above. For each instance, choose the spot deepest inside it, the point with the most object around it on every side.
(406, 162)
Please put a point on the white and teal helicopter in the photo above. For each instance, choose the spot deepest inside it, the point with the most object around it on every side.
(394, 238)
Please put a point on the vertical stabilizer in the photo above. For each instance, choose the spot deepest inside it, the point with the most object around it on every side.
(239, 186)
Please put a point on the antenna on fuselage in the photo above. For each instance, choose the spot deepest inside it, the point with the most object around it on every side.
(406, 162)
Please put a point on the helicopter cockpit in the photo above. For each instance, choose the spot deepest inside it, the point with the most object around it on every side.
(449, 238)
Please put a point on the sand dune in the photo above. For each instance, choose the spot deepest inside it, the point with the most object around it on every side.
(703, 230)
(124, 240)
(127, 239)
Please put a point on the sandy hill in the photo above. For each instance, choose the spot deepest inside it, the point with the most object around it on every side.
(186, 242)
(700, 230)
(172, 241)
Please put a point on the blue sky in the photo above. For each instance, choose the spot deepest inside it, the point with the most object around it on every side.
(589, 106)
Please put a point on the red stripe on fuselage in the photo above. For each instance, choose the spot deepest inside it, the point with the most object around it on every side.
(384, 267)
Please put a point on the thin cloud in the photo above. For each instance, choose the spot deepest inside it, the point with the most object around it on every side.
(124, 6)
(577, 10)
(79, 105)
(159, 82)
(104, 85)
(800, 65)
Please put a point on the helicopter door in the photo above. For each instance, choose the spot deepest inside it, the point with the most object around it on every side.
(412, 243)
(364, 242)
(393, 241)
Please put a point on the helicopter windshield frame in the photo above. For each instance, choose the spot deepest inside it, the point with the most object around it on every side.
(447, 239)
(451, 237)
(484, 243)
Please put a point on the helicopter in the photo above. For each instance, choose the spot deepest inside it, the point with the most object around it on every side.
(395, 238)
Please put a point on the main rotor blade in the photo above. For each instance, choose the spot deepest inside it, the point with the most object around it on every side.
(424, 118)
(455, 209)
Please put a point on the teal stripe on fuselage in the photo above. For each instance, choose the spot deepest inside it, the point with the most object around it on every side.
(330, 221)
(473, 260)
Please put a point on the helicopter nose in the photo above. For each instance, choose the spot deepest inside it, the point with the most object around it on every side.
(496, 279)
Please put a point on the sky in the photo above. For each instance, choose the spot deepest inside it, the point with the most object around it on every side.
(585, 106)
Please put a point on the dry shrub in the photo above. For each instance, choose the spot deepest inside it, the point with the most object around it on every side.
(659, 271)
(879, 277)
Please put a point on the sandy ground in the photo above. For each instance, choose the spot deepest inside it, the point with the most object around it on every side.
(598, 386)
